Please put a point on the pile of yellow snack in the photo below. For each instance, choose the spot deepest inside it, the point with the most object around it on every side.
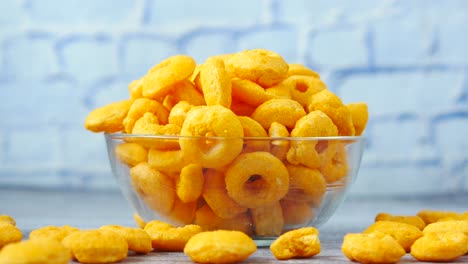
(230, 100)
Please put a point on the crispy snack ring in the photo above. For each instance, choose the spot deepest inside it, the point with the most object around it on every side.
(305, 185)
(253, 129)
(304, 87)
(43, 251)
(9, 234)
(7, 219)
(141, 106)
(332, 106)
(190, 183)
(154, 187)
(179, 112)
(283, 111)
(167, 160)
(432, 216)
(166, 237)
(404, 234)
(412, 219)
(335, 167)
(299, 69)
(268, 220)
(249, 92)
(279, 147)
(186, 91)
(299, 243)
(376, 247)
(448, 226)
(137, 239)
(131, 153)
(220, 246)
(108, 118)
(440, 247)
(96, 246)
(261, 66)
(296, 213)
(280, 90)
(216, 195)
(213, 121)
(216, 83)
(257, 179)
(359, 115)
(209, 221)
(312, 153)
(148, 124)
(160, 79)
(57, 233)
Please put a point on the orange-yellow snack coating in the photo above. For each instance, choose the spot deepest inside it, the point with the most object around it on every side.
(108, 118)
(268, 220)
(280, 90)
(135, 89)
(253, 129)
(299, 69)
(96, 246)
(305, 184)
(43, 251)
(190, 183)
(209, 221)
(249, 92)
(411, 219)
(376, 247)
(7, 219)
(182, 213)
(279, 147)
(432, 216)
(283, 111)
(448, 226)
(214, 121)
(57, 233)
(179, 112)
(160, 79)
(186, 91)
(148, 124)
(216, 83)
(359, 115)
(9, 234)
(242, 109)
(216, 196)
(405, 234)
(257, 179)
(139, 221)
(141, 106)
(167, 160)
(261, 66)
(299, 243)
(166, 237)
(131, 153)
(154, 187)
(332, 106)
(335, 167)
(137, 239)
(220, 246)
(303, 87)
(440, 247)
(296, 213)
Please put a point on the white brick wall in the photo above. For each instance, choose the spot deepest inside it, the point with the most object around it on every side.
(407, 59)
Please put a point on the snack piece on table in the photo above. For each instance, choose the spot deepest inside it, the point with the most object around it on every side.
(108, 118)
(405, 234)
(9, 234)
(299, 243)
(410, 219)
(447, 226)
(41, 250)
(57, 233)
(440, 246)
(166, 237)
(7, 219)
(137, 239)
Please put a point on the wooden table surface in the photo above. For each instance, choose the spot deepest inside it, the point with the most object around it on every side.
(33, 209)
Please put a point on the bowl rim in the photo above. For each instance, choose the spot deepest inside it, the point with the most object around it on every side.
(120, 135)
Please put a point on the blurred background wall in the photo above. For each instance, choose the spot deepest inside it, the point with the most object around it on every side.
(407, 59)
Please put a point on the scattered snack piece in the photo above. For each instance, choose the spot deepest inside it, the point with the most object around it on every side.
(137, 239)
(57, 233)
(96, 246)
(166, 237)
(411, 219)
(220, 246)
(440, 246)
(403, 233)
(9, 234)
(376, 247)
(7, 219)
(41, 250)
(432, 216)
(139, 221)
(299, 243)
(108, 118)
(447, 226)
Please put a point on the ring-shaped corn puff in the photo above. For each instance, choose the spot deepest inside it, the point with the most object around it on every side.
(253, 129)
(166, 237)
(9, 234)
(268, 220)
(249, 92)
(279, 147)
(137, 239)
(57, 233)
(216, 83)
(41, 250)
(108, 118)
(303, 87)
(299, 243)
(447, 226)
(359, 115)
(186, 91)
(299, 69)
(209, 221)
(410, 219)
(305, 185)
(405, 234)
(131, 153)
(141, 106)
(190, 183)
(283, 111)
(440, 246)
(179, 112)
(167, 160)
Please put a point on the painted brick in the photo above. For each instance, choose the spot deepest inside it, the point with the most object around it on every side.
(30, 56)
(403, 92)
(272, 39)
(206, 43)
(77, 12)
(141, 52)
(13, 15)
(339, 48)
(452, 43)
(179, 15)
(40, 146)
(450, 137)
(403, 41)
(83, 148)
(407, 180)
(88, 58)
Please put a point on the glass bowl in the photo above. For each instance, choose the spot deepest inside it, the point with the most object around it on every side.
(262, 186)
